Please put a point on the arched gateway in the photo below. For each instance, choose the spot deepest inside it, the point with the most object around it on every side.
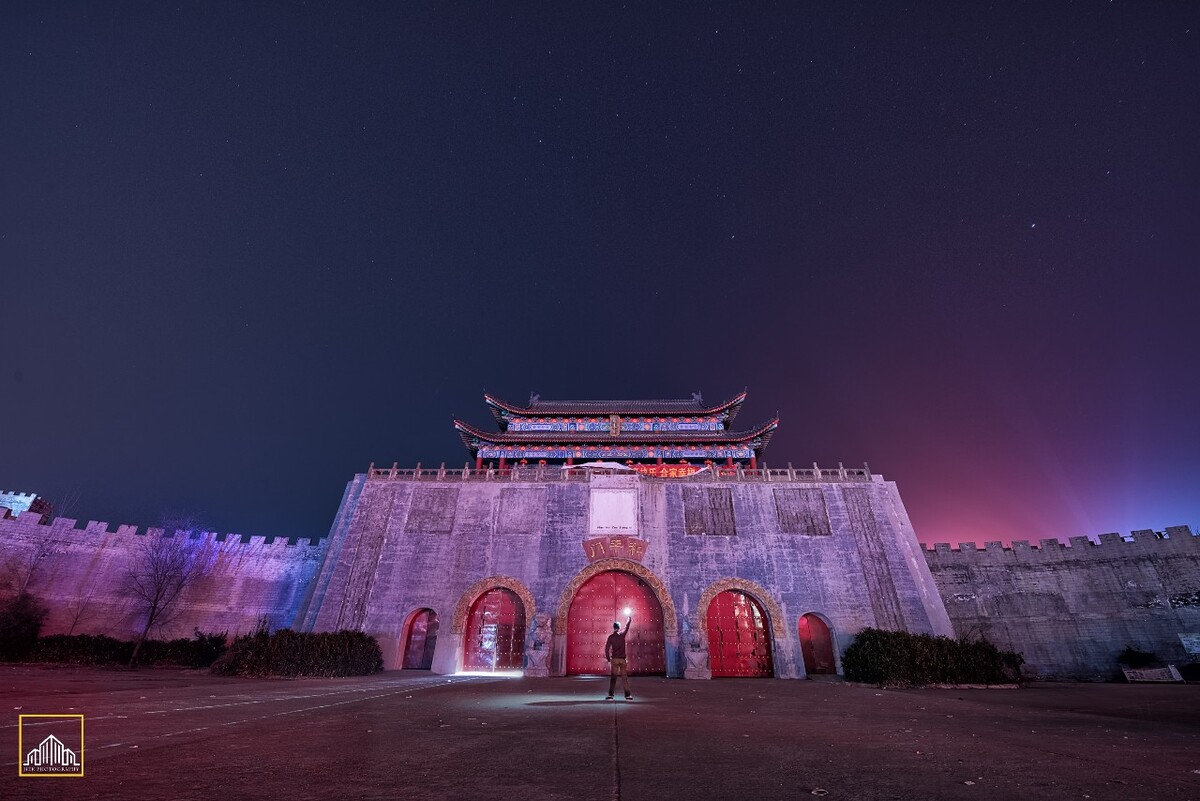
(816, 644)
(603, 600)
(565, 491)
(494, 635)
(491, 617)
(739, 636)
(420, 640)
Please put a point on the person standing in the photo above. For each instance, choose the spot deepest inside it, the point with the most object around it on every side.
(614, 654)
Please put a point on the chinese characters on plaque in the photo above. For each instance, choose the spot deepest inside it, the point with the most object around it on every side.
(614, 547)
(668, 470)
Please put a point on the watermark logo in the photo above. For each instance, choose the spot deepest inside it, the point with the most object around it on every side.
(50, 745)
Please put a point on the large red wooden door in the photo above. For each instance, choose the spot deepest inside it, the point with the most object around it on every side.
(817, 646)
(739, 638)
(602, 601)
(494, 637)
(420, 641)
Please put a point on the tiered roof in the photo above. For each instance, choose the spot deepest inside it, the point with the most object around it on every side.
(503, 411)
(472, 435)
(642, 427)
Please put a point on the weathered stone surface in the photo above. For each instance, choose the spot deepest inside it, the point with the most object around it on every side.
(80, 575)
(1071, 610)
(859, 565)
(841, 547)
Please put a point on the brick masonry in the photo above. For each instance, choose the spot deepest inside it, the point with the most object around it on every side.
(838, 546)
(16, 502)
(80, 574)
(1071, 609)
(396, 548)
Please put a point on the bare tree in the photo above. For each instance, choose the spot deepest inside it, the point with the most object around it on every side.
(79, 605)
(18, 572)
(66, 503)
(21, 614)
(162, 568)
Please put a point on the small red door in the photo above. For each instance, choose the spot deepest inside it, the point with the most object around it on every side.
(816, 645)
(602, 601)
(495, 632)
(739, 639)
(421, 640)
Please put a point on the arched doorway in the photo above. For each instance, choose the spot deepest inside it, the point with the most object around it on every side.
(420, 639)
(817, 646)
(494, 634)
(739, 636)
(602, 601)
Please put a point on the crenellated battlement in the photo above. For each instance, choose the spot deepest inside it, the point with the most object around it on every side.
(18, 502)
(1175, 539)
(1071, 607)
(29, 523)
(80, 572)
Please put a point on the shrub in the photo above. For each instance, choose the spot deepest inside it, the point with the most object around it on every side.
(290, 653)
(81, 649)
(901, 659)
(1134, 659)
(198, 652)
(21, 620)
(89, 649)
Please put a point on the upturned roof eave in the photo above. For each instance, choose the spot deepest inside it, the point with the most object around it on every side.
(470, 434)
(602, 408)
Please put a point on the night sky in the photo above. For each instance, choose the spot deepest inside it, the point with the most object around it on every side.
(246, 248)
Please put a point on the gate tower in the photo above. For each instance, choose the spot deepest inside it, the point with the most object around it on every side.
(656, 437)
(580, 514)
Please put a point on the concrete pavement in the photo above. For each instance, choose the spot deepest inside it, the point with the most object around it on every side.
(166, 734)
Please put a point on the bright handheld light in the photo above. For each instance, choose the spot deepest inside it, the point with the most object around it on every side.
(628, 611)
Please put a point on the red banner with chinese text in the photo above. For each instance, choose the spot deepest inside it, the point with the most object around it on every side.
(668, 470)
(614, 547)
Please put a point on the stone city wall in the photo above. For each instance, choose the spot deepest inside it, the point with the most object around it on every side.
(81, 575)
(16, 502)
(1071, 609)
(843, 550)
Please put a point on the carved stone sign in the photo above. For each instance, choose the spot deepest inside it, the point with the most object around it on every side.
(614, 547)
(613, 505)
(1191, 642)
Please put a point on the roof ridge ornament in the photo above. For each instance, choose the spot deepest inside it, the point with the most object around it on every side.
(698, 397)
(534, 398)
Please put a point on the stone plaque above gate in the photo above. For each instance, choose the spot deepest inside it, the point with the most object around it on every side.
(613, 505)
(615, 547)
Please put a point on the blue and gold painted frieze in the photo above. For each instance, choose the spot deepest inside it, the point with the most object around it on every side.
(627, 424)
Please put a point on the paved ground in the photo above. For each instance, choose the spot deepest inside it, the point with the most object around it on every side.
(181, 735)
